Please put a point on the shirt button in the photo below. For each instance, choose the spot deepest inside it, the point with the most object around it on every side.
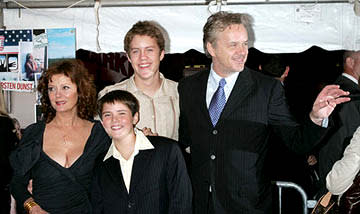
(129, 205)
(215, 132)
(212, 157)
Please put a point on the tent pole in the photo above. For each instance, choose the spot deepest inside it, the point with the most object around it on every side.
(9, 4)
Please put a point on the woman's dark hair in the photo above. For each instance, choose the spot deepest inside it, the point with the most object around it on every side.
(75, 70)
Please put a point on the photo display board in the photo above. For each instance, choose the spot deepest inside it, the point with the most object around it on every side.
(26, 53)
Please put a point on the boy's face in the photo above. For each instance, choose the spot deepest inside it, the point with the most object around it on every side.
(145, 56)
(118, 121)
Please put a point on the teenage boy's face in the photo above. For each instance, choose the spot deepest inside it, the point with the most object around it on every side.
(118, 121)
(145, 56)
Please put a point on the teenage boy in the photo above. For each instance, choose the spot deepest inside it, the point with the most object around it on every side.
(144, 44)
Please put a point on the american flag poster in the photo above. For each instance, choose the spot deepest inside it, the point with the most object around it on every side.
(25, 54)
(10, 40)
(13, 37)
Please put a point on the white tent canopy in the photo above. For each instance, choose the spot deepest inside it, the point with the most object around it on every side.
(281, 27)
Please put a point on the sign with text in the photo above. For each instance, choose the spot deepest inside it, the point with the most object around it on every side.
(23, 86)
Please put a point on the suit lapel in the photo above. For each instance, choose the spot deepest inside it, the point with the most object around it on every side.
(202, 81)
(141, 162)
(242, 88)
(113, 167)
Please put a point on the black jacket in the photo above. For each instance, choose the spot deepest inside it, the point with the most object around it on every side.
(159, 183)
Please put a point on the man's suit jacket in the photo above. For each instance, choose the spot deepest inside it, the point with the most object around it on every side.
(159, 183)
(346, 118)
(230, 156)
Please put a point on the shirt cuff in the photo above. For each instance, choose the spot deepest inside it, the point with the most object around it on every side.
(325, 122)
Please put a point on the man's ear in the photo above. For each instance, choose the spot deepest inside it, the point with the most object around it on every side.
(210, 49)
(349, 62)
(162, 54)
(128, 57)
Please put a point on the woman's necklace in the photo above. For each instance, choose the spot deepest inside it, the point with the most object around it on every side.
(65, 135)
(65, 138)
(62, 129)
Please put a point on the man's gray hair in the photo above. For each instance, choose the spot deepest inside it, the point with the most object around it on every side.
(219, 21)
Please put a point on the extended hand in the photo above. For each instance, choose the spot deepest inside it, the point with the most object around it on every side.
(326, 101)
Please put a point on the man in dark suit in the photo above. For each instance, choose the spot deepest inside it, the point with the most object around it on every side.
(346, 118)
(228, 134)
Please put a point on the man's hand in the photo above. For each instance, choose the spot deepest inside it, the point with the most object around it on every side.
(148, 132)
(311, 160)
(326, 101)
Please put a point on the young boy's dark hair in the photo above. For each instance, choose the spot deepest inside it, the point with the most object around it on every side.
(119, 96)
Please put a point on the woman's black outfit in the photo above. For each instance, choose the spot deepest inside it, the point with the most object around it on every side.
(55, 188)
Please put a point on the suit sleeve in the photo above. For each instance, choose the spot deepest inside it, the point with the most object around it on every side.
(178, 182)
(299, 138)
(342, 174)
(184, 135)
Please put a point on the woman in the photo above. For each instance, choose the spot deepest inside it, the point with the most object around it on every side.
(58, 154)
(139, 174)
(7, 143)
(344, 171)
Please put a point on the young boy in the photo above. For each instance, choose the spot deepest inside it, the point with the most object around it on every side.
(138, 174)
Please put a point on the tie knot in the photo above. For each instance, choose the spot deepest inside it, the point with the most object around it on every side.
(222, 83)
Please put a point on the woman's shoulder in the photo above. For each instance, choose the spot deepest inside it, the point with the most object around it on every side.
(37, 125)
(97, 127)
(33, 131)
(98, 134)
(28, 151)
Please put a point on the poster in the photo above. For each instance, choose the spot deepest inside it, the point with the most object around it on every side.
(26, 53)
(61, 44)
